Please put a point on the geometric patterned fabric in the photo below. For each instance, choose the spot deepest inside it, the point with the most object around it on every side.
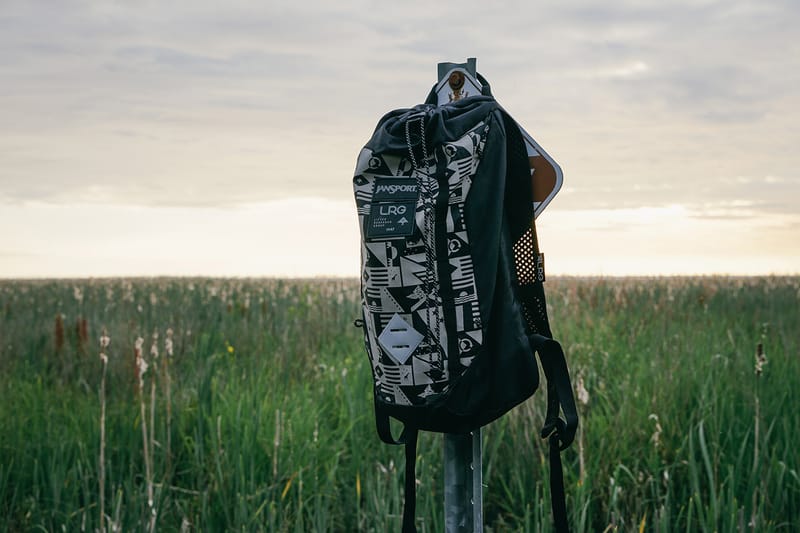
(395, 268)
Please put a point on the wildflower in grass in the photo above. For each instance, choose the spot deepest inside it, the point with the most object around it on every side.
(137, 346)
(154, 355)
(141, 364)
(386, 470)
(583, 394)
(168, 344)
(105, 341)
(761, 359)
(154, 346)
(583, 401)
(168, 350)
(141, 369)
(655, 438)
(78, 294)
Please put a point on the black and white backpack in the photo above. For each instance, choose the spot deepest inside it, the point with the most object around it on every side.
(452, 279)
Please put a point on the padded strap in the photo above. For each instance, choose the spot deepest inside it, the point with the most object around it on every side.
(559, 391)
(384, 428)
(560, 432)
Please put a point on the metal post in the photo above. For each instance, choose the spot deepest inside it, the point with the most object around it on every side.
(463, 483)
(463, 461)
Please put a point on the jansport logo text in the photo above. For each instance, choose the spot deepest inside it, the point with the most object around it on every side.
(392, 189)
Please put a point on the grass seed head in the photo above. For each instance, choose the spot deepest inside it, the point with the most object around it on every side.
(105, 340)
(655, 438)
(82, 331)
(583, 394)
(168, 345)
(59, 332)
(154, 346)
(141, 364)
(761, 359)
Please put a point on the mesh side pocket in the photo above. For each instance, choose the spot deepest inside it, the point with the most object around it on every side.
(525, 259)
(530, 295)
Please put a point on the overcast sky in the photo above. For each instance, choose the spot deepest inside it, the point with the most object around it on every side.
(219, 138)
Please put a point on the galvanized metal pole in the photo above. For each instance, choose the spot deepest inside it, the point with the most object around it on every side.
(463, 460)
(463, 483)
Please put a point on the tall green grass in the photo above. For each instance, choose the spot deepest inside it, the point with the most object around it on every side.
(266, 423)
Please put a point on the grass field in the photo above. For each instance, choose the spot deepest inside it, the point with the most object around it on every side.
(254, 411)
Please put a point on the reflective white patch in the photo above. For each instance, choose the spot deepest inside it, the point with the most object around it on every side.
(399, 339)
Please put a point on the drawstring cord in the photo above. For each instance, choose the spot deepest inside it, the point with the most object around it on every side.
(430, 287)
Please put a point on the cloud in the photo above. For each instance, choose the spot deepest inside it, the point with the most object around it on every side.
(643, 103)
(202, 123)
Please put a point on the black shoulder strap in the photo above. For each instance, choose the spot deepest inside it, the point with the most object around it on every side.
(560, 432)
(408, 437)
(530, 277)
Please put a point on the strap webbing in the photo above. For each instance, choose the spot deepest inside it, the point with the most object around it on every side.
(559, 391)
(408, 437)
(557, 498)
(560, 432)
(410, 502)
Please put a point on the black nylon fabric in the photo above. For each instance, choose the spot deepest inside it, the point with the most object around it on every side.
(442, 123)
(506, 374)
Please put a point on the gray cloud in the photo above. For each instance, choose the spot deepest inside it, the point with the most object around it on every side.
(643, 103)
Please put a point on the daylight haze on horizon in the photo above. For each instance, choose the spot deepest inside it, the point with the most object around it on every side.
(219, 139)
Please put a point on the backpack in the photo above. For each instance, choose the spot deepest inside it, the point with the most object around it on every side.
(453, 304)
